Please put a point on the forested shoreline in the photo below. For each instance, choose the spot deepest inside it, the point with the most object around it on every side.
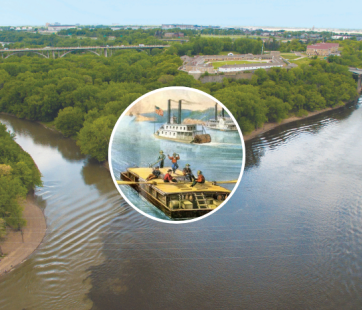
(82, 95)
(18, 175)
(85, 94)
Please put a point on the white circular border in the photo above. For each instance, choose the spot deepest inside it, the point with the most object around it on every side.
(115, 180)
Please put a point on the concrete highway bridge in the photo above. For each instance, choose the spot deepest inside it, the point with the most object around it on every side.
(58, 52)
(357, 74)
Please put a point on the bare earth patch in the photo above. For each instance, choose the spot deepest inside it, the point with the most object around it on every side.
(18, 246)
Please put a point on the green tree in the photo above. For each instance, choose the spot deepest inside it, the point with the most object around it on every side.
(69, 121)
(94, 137)
(277, 109)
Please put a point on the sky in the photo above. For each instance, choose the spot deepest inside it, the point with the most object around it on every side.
(191, 100)
(278, 13)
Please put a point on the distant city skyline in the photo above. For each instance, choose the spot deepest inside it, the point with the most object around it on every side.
(259, 13)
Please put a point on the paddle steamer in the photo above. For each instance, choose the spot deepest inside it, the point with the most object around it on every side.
(175, 130)
(221, 122)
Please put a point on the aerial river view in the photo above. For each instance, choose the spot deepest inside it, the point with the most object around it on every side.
(290, 235)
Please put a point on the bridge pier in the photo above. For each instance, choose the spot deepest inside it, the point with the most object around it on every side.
(53, 55)
(359, 83)
(105, 52)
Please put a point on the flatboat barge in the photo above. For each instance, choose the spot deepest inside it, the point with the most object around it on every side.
(176, 200)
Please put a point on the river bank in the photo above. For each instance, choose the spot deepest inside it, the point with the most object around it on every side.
(269, 126)
(19, 245)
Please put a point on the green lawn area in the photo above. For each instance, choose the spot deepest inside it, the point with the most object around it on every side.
(289, 56)
(225, 53)
(218, 64)
(305, 60)
(302, 61)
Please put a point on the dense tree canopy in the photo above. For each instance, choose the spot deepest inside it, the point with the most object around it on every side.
(18, 174)
(351, 54)
(85, 94)
(213, 46)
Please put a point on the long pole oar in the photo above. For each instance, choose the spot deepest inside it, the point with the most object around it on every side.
(225, 182)
(134, 183)
(154, 183)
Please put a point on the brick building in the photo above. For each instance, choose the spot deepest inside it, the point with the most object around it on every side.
(322, 49)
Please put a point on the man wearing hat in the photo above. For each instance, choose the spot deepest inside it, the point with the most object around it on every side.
(200, 179)
(161, 159)
(168, 177)
(155, 174)
(174, 160)
(188, 173)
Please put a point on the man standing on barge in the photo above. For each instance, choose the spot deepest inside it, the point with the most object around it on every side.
(161, 159)
(174, 160)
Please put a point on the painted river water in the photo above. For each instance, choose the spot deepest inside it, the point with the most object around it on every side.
(290, 237)
(134, 145)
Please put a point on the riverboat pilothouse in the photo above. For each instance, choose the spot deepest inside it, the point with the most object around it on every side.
(221, 122)
(175, 130)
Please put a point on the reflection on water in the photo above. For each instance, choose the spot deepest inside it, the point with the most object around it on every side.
(79, 201)
(274, 139)
(290, 237)
(135, 146)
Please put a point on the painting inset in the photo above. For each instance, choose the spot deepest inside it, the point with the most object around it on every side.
(176, 154)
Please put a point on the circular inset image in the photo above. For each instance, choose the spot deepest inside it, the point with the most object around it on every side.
(176, 155)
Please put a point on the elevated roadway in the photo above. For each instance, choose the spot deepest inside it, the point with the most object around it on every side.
(47, 52)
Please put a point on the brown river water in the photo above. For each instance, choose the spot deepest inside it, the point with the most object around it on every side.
(289, 238)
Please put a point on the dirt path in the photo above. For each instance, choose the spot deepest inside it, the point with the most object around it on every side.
(17, 246)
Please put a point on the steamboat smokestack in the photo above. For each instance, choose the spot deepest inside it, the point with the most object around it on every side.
(222, 112)
(179, 112)
(169, 112)
(215, 111)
